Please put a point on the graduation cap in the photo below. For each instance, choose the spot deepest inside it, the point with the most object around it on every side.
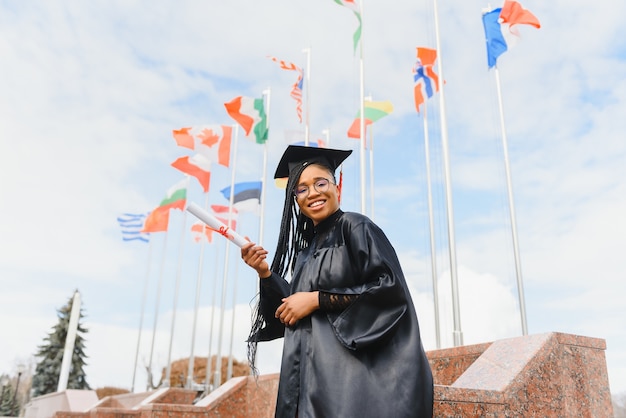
(297, 156)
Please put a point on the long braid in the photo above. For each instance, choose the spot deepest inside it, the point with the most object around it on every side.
(295, 234)
(290, 242)
(296, 230)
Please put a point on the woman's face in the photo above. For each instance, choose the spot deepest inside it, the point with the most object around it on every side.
(315, 202)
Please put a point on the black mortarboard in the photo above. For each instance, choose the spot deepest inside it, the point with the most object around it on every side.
(296, 156)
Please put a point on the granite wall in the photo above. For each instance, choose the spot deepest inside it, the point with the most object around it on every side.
(543, 375)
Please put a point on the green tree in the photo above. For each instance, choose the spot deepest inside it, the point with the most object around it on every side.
(46, 377)
(6, 398)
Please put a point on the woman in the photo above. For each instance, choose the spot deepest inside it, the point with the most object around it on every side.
(352, 344)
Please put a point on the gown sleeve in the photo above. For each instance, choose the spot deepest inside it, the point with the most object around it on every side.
(373, 316)
(333, 302)
(272, 290)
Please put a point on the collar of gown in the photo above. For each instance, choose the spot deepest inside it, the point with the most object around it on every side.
(328, 222)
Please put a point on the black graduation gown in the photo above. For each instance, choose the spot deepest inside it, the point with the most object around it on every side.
(366, 361)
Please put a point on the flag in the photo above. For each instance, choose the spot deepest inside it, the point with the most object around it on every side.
(250, 114)
(296, 89)
(499, 25)
(514, 14)
(197, 166)
(184, 138)
(131, 225)
(157, 221)
(212, 141)
(424, 77)
(222, 213)
(175, 198)
(200, 231)
(221, 209)
(373, 112)
(352, 5)
(246, 195)
(496, 45)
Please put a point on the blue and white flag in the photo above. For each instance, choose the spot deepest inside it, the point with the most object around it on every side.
(131, 225)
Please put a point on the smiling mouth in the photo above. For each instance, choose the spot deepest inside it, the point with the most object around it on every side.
(317, 203)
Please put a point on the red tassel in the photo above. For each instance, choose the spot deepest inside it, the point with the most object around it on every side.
(340, 183)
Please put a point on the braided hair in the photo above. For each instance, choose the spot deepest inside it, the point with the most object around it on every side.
(296, 233)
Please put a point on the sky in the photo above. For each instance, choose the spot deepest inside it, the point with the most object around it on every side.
(90, 93)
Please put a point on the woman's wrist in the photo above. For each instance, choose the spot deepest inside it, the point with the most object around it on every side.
(316, 298)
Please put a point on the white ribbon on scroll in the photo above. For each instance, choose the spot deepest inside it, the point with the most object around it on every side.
(216, 224)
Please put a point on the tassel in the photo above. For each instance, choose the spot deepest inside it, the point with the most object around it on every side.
(340, 186)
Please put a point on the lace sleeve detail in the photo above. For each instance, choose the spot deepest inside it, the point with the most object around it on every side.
(332, 302)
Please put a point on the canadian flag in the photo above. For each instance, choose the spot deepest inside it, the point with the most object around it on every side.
(212, 141)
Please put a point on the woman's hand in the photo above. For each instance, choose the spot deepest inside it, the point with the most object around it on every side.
(297, 306)
(254, 256)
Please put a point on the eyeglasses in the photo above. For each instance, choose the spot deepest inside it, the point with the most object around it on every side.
(320, 185)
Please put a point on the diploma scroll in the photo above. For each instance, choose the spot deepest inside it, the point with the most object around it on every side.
(216, 224)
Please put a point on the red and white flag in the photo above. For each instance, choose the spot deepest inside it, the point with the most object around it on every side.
(212, 141)
(197, 166)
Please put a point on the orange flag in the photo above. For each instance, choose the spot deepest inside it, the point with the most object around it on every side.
(157, 221)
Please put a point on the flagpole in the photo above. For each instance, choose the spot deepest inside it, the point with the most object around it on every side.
(266, 93)
(372, 172)
(68, 351)
(362, 119)
(326, 133)
(518, 266)
(156, 308)
(207, 377)
(457, 333)
(371, 159)
(168, 371)
(229, 370)
(190, 366)
(217, 381)
(307, 135)
(431, 228)
(143, 308)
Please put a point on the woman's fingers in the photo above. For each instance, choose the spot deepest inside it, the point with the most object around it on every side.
(253, 254)
(287, 312)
